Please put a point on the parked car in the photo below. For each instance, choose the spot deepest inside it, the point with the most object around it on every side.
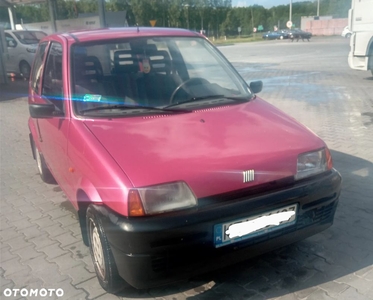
(21, 50)
(346, 32)
(284, 33)
(272, 35)
(174, 165)
(298, 34)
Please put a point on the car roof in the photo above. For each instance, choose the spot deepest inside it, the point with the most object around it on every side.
(124, 32)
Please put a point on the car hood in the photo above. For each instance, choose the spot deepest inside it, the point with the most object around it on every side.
(209, 148)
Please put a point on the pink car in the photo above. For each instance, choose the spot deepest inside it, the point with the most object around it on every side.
(173, 163)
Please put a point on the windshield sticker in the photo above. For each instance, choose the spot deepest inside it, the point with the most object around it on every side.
(146, 65)
(92, 98)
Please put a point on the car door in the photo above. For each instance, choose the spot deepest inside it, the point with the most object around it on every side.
(53, 131)
(11, 62)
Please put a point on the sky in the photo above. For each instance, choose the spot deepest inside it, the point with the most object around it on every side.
(265, 3)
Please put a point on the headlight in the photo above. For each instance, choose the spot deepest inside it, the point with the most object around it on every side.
(313, 163)
(160, 198)
(31, 50)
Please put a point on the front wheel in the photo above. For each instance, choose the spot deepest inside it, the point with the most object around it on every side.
(102, 257)
(25, 69)
(43, 169)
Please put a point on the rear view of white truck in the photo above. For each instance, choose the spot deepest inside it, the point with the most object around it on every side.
(360, 19)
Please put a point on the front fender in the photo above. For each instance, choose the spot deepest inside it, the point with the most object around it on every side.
(86, 194)
(92, 195)
(24, 57)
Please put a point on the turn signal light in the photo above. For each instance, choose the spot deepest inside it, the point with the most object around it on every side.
(329, 160)
(135, 208)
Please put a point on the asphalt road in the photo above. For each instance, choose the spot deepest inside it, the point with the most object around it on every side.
(41, 244)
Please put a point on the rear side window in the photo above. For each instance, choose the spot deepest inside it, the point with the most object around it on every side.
(52, 79)
(37, 69)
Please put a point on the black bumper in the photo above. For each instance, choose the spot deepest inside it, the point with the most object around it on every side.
(162, 249)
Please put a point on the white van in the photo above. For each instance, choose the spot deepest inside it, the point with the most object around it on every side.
(21, 50)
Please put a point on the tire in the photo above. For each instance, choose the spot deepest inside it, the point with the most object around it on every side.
(25, 69)
(102, 257)
(43, 169)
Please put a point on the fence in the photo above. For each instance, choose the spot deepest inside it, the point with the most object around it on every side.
(326, 27)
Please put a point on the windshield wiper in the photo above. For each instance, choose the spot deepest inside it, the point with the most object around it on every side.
(124, 107)
(239, 99)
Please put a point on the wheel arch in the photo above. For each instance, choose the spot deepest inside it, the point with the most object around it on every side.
(32, 144)
(83, 203)
(23, 61)
(86, 195)
(34, 137)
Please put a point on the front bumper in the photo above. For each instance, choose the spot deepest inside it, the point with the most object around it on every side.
(158, 250)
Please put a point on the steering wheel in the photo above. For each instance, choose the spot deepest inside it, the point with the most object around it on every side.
(190, 81)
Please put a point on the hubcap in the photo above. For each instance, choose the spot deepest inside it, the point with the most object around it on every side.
(98, 253)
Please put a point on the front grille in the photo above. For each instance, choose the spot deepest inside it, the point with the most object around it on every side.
(317, 215)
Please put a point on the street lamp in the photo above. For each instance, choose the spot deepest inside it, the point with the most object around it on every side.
(201, 12)
(187, 14)
(217, 21)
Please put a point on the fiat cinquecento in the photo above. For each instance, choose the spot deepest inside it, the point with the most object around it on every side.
(174, 165)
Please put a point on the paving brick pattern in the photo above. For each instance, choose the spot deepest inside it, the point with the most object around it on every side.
(41, 244)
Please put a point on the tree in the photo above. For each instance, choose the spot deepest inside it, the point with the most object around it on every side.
(143, 11)
(217, 16)
(174, 13)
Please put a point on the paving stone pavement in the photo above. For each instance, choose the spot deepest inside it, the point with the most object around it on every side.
(41, 244)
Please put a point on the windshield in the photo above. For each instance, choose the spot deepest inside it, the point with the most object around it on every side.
(29, 37)
(151, 72)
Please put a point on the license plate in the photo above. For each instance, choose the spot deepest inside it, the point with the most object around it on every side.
(242, 229)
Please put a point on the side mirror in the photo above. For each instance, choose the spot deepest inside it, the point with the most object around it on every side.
(11, 44)
(43, 111)
(256, 86)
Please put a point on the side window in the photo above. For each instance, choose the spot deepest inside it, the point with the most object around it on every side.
(52, 79)
(37, 69)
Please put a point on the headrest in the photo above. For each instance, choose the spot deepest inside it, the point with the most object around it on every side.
(88, 67)
(125, 61)
(93, 66)
(160, 61)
